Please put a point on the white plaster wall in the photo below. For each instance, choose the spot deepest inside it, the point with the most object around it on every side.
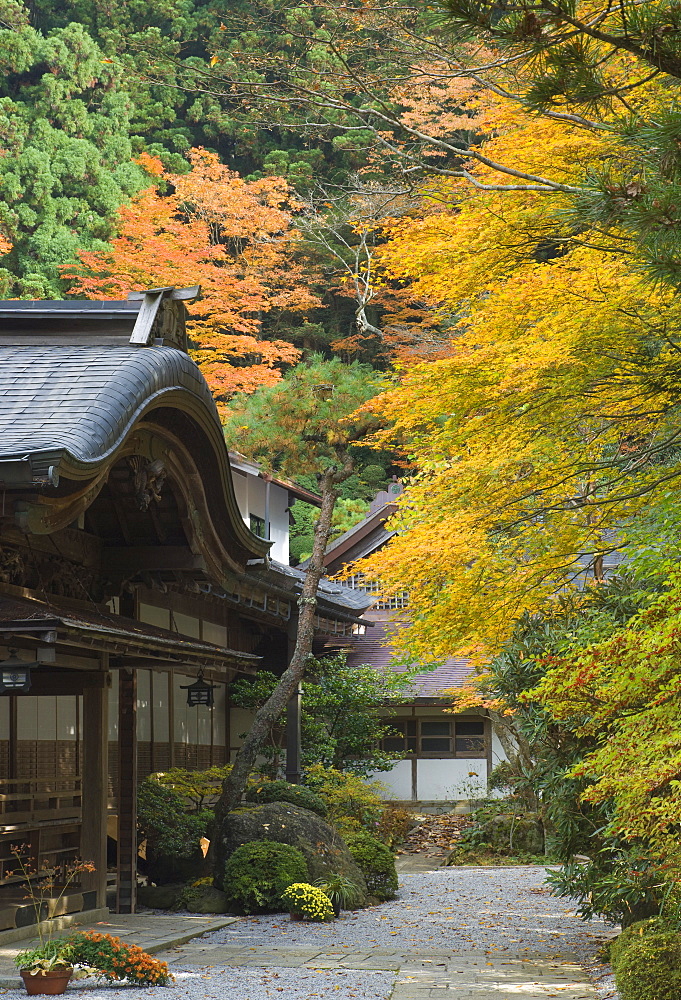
(397, 783)
(160, 617)
(216, 634)
(160, 707)
(497, 750)
(187, 625)
(241, 491)
(219, 709)
(143, 705)
(450, 779)
(252, 499)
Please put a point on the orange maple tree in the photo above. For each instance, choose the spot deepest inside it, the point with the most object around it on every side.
(234, 238)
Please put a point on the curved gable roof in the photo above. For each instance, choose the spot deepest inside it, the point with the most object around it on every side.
(71, 407)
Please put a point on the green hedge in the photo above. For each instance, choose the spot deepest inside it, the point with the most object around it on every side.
(650, 968)
(282, 791)
(376, 862)
(257, 874)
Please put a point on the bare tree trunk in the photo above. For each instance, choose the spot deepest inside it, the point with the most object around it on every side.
(234, 785)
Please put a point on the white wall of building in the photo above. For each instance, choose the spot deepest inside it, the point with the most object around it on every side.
(251, 495)
(397, 783)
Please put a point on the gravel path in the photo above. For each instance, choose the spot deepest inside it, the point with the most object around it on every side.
(499, 913)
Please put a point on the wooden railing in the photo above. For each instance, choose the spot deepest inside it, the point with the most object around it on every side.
(27, 801)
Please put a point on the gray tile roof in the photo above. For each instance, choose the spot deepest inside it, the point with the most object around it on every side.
(80, 402)
(375, 649)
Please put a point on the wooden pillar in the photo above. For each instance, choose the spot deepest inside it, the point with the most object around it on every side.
(293, 765)
(95, 775)
(126, 896)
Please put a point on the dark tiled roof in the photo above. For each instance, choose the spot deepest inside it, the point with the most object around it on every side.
(329, 591)
(374, 648)
(81, 401)
(102, 629)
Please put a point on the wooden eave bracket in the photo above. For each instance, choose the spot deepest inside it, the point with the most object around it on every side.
(152, 298)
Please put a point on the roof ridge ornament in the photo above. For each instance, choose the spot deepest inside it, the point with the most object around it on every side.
(162, 316)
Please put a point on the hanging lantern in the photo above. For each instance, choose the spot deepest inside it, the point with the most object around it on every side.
(200, 692)
(15, 674)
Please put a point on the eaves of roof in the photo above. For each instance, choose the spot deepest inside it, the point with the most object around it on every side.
(112, 633)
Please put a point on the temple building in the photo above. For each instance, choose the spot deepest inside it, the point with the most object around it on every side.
(139, 575)
(448, 757)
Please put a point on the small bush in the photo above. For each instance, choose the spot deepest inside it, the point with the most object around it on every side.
(309, 901)
(650, 968)
(200, 790)
(282, 791)
(633, 933)
(394, 825)
(162, 819)
(352, 804)
(377, 864)
(117, 961)
(257, 874)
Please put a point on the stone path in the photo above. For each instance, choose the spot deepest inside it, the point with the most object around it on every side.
(422, 969)
(504, 938)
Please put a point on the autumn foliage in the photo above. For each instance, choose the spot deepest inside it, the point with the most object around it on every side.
(234, 238)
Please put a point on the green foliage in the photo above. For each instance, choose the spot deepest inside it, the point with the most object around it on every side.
(394, 825)
(623, 886)
(309, 901)
(341, 890)
(199, 789)
(162, 819)
(257, 874)
(650, 968)
(56, 953)
(309, 422)
(631, 934)
(376, 862)
(67, 163)
(282, 791)
(341, 724)
(353, 804)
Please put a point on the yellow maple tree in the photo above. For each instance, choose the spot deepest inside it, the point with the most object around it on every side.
(548, 426)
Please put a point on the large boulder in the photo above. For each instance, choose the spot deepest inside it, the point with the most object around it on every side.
(322, 846)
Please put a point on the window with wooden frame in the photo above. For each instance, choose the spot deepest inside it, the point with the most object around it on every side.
(457, 736)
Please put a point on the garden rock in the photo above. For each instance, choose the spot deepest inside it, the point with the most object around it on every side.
(322, 846)
(508, 831)
(159, 897)
(206, 899)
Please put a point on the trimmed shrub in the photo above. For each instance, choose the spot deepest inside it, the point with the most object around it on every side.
(257, 874)
(377, 864)
(650, 968)
(282, 791)
(635, 932)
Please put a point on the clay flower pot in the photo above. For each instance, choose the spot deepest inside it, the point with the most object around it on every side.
(46, 983)
(296, 916)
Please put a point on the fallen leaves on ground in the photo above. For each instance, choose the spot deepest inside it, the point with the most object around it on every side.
(435, 834)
